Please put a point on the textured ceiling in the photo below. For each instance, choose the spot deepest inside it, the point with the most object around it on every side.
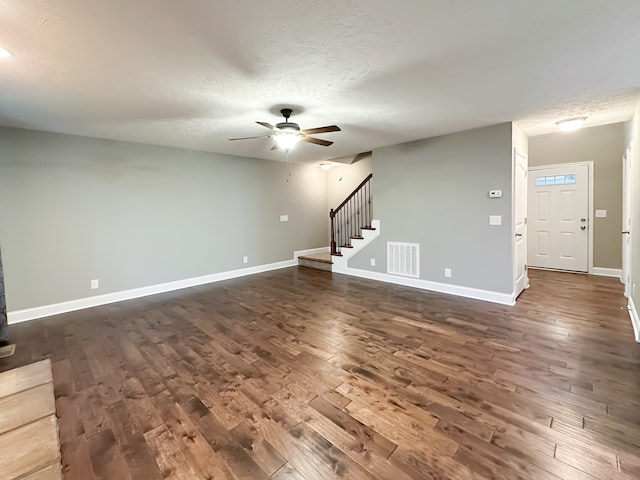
(195, 73)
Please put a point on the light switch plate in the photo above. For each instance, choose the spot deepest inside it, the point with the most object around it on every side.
(284, 218)
(495, 193)
(601, 213)
(495, 219)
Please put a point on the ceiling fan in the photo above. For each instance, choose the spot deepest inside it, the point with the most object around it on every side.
(286, 134)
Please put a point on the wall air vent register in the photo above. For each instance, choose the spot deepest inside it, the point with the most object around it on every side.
(403, 259)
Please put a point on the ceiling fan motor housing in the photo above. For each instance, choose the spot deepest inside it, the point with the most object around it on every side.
(288, 127)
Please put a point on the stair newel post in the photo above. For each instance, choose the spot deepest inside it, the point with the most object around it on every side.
(341, 226)
(360, 210)
(356, 202)
(354, 217)
(370, 206)
(332, 215)
(366, 207)
(348, 217)
(348, 212)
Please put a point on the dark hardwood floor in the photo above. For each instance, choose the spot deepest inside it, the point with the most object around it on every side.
(301, 374)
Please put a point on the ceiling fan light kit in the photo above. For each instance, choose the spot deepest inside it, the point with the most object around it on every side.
(287, 134)
(286, 140)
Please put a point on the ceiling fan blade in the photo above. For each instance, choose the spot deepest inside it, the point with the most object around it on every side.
(312, 131)
(249, 138)
(268, 125)
(317, 141)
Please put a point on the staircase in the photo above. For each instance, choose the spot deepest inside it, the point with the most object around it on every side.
(352, 227)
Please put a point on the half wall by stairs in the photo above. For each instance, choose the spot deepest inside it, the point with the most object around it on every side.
(338, 263)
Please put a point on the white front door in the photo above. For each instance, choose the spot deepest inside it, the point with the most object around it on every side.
(520, 221)
(626, 221)
(559, 217)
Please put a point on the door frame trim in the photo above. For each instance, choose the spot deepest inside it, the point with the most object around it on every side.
(590, 168)
(514, 255)
(627, 213)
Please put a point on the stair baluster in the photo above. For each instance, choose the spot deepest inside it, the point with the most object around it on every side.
(354, 214)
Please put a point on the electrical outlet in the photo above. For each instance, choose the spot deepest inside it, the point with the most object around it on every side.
(373, 262)
(447, 272)
(95, 284)
(245, 259)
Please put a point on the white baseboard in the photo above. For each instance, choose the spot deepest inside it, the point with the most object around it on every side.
(635, 320)
(475, 293)
(18, 316)
(607, 272)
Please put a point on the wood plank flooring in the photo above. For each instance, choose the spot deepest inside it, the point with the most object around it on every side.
(301, 374)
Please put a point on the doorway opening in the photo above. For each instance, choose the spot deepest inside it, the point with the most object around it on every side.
(560, 233)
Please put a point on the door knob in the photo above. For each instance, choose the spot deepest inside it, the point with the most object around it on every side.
(625, 232)
(583, 227)
(518, 234)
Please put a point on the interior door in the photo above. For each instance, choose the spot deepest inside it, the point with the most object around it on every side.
(520, 165)
(626, 221)
(558, 224)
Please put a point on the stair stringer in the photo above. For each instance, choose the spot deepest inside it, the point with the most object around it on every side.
(340, 263)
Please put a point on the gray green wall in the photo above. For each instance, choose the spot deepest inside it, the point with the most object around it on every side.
(435, 192)
(131, 215)
(344, 179)
(604, 146)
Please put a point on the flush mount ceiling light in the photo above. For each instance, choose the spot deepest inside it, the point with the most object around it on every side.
(571, 124)
(4, 53)
(325, 166)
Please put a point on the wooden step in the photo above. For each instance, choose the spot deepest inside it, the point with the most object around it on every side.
(319, 261)
(356, 237)
(367, 228)
(346, 246)
(323, 258)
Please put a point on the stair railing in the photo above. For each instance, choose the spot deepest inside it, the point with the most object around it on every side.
(351, 217)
